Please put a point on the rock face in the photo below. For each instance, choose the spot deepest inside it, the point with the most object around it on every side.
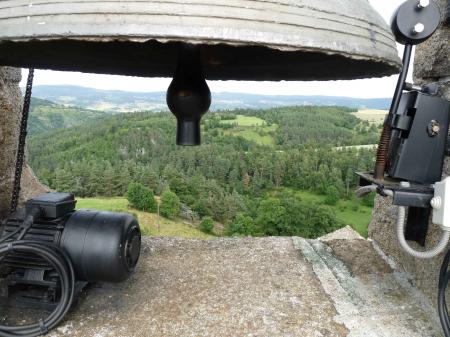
(10, 116)
(10, 99)
(254, 287)
(432, 64)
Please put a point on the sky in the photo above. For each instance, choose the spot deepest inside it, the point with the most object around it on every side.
(367, 88)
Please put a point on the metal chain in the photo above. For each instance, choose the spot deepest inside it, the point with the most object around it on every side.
(22, 140)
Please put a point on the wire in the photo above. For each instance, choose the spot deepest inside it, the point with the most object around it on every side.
(62, 264)
(10, 236)
(444, 278)
(438, 249)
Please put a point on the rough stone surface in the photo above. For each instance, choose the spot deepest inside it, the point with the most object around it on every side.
(432, 57)
(345, 233)
(10, 115)
(254, 287)
(432, 63)
(382, 231)
(10, 98)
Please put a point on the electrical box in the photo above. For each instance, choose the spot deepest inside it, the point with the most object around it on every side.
(419, 138)
(441, 203)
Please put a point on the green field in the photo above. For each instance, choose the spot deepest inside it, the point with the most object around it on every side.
(246, 121)
(147, 221)
(252, 128)
(372, 116)
(349, 211)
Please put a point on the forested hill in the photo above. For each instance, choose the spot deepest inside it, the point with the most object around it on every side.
(248, 162)
(123, 101)
(46, 115)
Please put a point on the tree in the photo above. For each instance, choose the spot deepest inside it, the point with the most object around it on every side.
(170, 204)
(242, 226)
(141, 197)
(121, 180)
(207, 225)
(109, 180)
(332, 196)
(63, 180)
(270, 216)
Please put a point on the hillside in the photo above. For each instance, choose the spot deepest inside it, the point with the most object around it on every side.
(248, 168)
(122, 101)
(46, 115)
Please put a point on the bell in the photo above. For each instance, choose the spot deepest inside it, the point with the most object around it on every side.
(238, 39)
(234, 39)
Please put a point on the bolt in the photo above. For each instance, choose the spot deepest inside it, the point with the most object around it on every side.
(423, 4)
(419, 28)
(434, 128)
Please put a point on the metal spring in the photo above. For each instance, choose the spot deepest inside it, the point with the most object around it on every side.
(382, 152)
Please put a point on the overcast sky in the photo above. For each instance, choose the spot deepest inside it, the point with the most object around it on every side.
(383, 87)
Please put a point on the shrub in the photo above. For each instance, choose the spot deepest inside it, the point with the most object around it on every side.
(141, 197)
(170, 204)
(332, 196)
(207, 225)
(368, 200)
(242, 226)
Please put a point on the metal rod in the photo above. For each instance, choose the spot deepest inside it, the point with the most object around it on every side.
(383, 146)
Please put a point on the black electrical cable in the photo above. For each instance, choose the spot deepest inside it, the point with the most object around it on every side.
(62, 264)
(444, 278)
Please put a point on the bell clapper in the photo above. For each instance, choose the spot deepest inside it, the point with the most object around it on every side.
(188, 96)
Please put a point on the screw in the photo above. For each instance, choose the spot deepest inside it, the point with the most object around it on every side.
(423, 3)
(419, 28)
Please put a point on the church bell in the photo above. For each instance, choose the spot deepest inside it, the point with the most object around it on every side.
(268, 40)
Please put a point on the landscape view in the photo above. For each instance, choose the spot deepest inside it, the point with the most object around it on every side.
(268, 165)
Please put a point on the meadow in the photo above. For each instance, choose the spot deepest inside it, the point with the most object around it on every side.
(372, 116)
(148, 221)
(251, 128)
(349, 211)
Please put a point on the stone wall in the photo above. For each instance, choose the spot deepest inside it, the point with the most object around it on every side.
(10, 116)
(432, 64)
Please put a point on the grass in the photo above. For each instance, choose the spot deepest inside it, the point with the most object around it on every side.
(147, 221)
(372, 116)
(252, 128)
(246, 121)
(254, 136)
(351, 212)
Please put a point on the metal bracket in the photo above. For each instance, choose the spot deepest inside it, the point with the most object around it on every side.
(416, 196)
(401, 122)
(417, 225)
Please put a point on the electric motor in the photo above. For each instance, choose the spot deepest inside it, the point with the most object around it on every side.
(102, 246)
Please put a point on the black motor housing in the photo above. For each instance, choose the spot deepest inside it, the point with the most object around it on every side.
(103, 246)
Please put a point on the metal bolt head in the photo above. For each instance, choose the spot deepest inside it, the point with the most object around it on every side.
(434, 128)
(419, 28)
(423, 3)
